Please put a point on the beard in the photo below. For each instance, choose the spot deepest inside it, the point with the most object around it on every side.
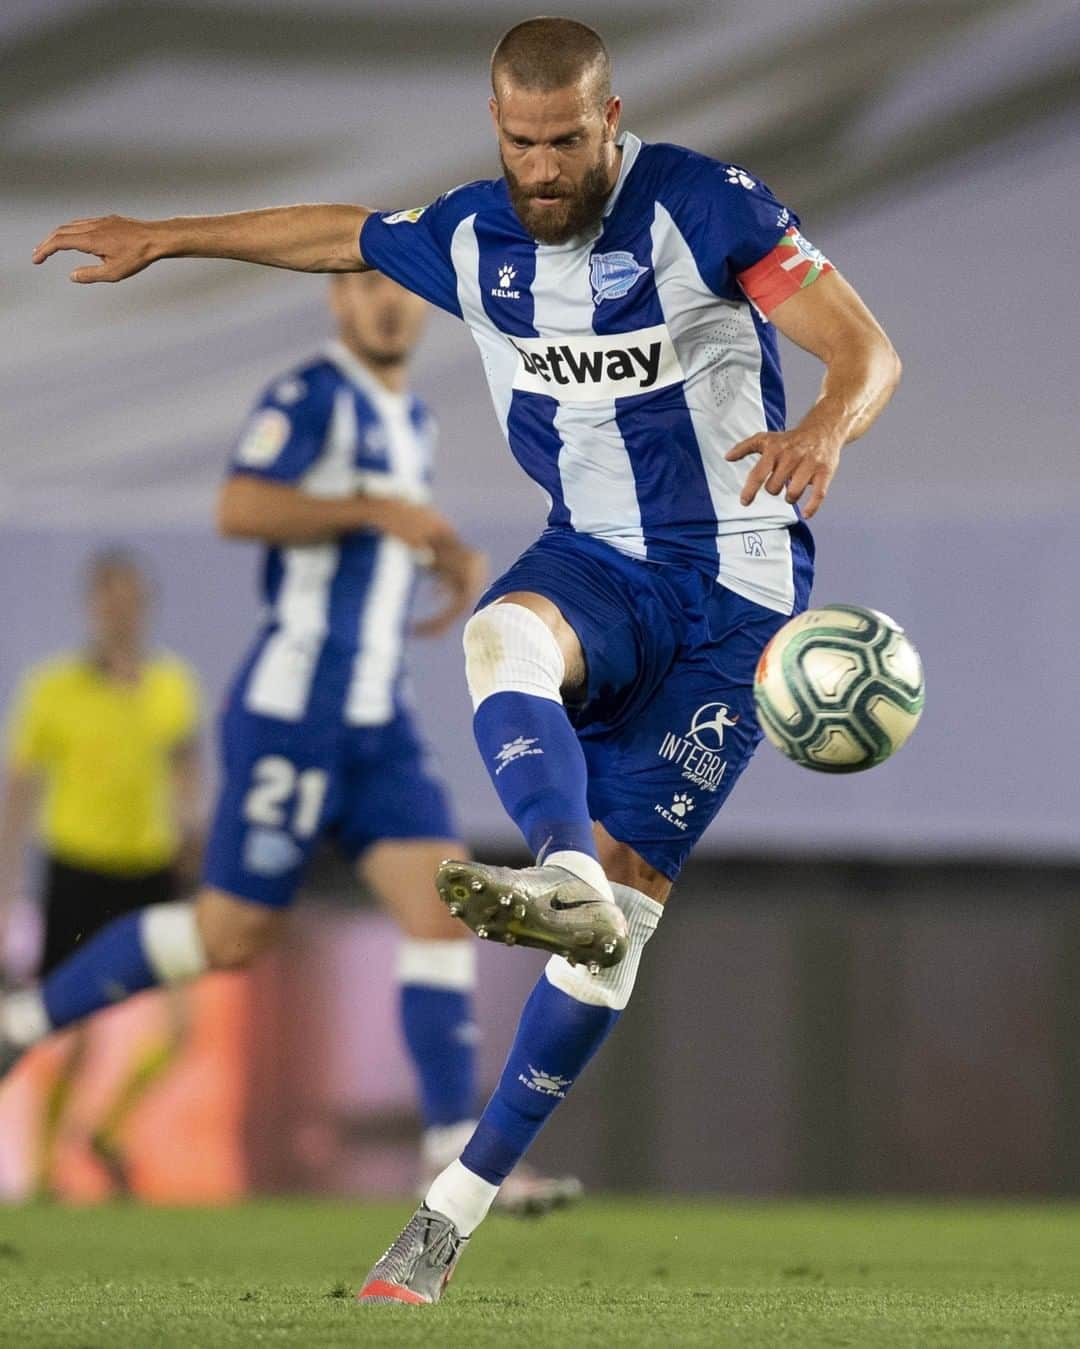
(579, 211)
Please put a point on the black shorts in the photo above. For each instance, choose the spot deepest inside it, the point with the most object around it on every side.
(78, 902)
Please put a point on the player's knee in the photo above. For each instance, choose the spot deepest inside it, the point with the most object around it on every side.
(234, 931)
(509, 649)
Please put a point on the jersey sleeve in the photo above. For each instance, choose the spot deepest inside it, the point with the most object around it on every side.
(285, 432)
(27, 731)
(749, 242)
(413, 247)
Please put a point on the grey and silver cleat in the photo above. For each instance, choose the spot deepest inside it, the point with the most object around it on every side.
(418, 1266)
(545, 907)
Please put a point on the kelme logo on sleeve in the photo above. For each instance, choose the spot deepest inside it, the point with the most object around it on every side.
(595, 369)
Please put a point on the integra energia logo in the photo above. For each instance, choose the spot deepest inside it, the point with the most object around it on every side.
(593, 369)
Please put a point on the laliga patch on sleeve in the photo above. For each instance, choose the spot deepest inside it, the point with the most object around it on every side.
(264, 439)
(409, 217)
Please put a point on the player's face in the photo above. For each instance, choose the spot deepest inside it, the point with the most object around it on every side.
(378, 320)
(558, 155)
(118, 605)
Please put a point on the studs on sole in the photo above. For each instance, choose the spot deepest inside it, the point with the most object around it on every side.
(455, 910)
(482, 931)
(476, 886)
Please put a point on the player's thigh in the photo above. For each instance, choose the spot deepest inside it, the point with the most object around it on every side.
(401, 875)
(281, 785)
(657, 783)
(624, 865)
(397, 823)
(620, 623)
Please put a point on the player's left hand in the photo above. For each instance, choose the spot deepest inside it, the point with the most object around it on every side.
(790, 462)
(461, 573)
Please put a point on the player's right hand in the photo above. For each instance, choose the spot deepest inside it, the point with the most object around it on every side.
(124, 246)
(421, 527)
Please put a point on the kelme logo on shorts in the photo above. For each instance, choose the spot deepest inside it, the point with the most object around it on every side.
(595, 369)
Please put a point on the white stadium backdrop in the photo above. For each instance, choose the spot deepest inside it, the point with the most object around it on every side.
(937, 179)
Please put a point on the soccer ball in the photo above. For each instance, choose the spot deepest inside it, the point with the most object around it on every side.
(839, 689)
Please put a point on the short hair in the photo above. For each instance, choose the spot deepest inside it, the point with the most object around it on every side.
(549, 53)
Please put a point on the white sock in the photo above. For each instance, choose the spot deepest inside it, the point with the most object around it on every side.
(172, 943)
(462, 1196)
(23, 1018)
(443, 1143)
(584, 867)
(611, 987)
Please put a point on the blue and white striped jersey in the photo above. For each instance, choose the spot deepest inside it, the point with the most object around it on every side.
(335, 613)
(624, 365)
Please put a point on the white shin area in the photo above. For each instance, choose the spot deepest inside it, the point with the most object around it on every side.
(172, 943)
(462, 1196)
(509, 649)
(611, 987)
(437, 964)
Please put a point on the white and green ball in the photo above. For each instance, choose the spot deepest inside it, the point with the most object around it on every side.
(839, 689)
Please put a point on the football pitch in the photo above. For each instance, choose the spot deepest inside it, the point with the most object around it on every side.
(619, 1273)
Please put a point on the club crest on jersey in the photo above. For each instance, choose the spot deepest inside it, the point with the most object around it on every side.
(614, 275)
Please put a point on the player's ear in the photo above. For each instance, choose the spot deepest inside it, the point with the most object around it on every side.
(493, 108)
(612, 113)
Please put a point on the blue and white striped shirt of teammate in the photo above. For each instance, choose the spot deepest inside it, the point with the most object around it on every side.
(335, 614)
(623, 367)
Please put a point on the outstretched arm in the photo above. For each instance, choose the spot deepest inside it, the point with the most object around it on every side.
(249, 507)
(862, 371)
(323, 238)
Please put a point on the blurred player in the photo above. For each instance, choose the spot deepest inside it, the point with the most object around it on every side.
(626, 299)
(103, 764)
(333, 473)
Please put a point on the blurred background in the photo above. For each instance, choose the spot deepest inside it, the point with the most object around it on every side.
(863, 984)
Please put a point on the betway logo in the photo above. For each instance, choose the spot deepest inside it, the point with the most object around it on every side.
(594, 369)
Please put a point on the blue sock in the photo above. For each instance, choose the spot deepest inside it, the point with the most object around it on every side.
(538, 769)
(441, 1035)
(556, 1037)
(109, 968)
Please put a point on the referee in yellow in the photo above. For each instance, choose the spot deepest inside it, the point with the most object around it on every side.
(103, 763)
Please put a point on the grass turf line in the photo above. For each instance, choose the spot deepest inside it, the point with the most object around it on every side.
(624, 1272)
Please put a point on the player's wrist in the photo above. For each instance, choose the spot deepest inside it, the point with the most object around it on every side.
(167, 239)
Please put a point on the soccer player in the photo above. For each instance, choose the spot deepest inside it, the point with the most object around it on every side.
(626, 299)
(332, 473)
(103, 763)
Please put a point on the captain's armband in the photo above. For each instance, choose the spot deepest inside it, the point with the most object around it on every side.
(791, 266)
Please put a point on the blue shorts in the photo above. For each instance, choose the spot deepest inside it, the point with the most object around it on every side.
(286, 784)
(668, 720)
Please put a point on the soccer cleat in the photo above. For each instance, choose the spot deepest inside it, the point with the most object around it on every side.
(545, 907)
(526, 1193)
(418, 1266)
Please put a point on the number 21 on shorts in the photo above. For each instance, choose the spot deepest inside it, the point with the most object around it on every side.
(276, 785)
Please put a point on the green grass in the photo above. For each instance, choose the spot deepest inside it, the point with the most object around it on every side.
(612, 1273)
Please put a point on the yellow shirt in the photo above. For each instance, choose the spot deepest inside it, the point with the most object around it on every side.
(104, 750)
